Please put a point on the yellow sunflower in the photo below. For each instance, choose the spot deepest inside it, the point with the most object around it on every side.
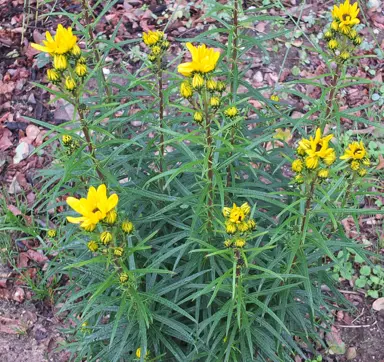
(355, 151)
(237, 214)
(92, 209)
(61, 43)
(346, 16)
(204, 60)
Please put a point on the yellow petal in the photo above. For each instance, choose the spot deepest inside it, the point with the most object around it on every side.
(112, 202)
(75, 220)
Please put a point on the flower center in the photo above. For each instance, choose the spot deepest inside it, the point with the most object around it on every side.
(346, 17)
(95, 210)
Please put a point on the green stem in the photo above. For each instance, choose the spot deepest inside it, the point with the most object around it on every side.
(88, 23)
(308, 206)
(233, 70)
(161, 115)
(331, 97)
(210, 158)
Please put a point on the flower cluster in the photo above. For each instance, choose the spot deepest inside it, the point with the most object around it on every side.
(157, 43)
(237, 224)
(199, 78)
(68, 65)
(70, 145)
(342, 36)
(314, 155)
(357, 157)
(99, 209)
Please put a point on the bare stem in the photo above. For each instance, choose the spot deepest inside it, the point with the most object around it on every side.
(161, 117)
(233, 70)
(210, 159)
(331, 97)
(308, 204)
(91, 148)
(88, 23)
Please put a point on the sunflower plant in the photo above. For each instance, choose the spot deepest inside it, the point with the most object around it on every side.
(184, 223)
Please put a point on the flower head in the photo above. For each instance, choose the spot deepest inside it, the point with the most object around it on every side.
(231, 112)
(297, 165)
(61, 43)
(186, 90)
(92, 209)
(204, 60)
(346, 16)
(76, 51)
(153, 37)
(111, 217)
(354, 151)
(53, 76)
(237, 214)
(198, 117)
(274, 98)
(333, 44)
(230, 227)
(51, 233)
(67, 139)
(81, 69)
(60, 62)
(211, 85)
(92, 246)
(197, 81)
(123, 278)
(70, 83)
(323, 173)
(105, 237)
(240, 243)
(118, 251)
(214, 102)
(127, 227)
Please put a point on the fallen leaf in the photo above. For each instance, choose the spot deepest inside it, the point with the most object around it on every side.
(14, 210)
(10, 326)
(36, 256)
(335, 343)
(23, 150)
(5, 142)
(378, 304)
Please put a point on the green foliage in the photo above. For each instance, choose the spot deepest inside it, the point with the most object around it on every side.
(187, 297)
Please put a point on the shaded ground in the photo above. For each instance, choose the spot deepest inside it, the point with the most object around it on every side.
(19, 99)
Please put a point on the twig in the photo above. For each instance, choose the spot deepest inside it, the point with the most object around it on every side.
(360, 326)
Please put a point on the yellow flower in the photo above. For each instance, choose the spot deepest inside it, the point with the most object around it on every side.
(328, 35)
(92, 246)
(127, 227)
(335, 25)
(237, 214)
(231, 112)
(355, 165)
(82, 60)
(354, 151)
(111, 217)
(165, 44)
(243, 227)
(230, 227)
(53, 76)
(346, 16)
(357, 41)
(300, 151)
(352, 34)
(299, 179)
(51, 233)
(228, 243)
(123, 277)
(105, 237)
(81, 69)
(240, 243)
(345, 55)
(204, 60)
(312, 162)
(215, 102)
(76, 51)
(197, 81)
(323, 173)
(92, 209)
(274, 98)
(220, 86)
(67, 139)
(362, 172)
(198, 117)
(70, 83)
(156, 50)
(366, 162)
(333, 44)
(118, 251)
(297, 166)
(186, 90)
(60, 62)
(152, 37)
(61, 43)
(138, 353)
(330, 158)
(251, 224)
(211, 85)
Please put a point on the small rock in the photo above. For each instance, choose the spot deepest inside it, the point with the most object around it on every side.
(31, 99)
(258, 77)
(14, 187)
(378, 304)
(351, 353)
(136, 123)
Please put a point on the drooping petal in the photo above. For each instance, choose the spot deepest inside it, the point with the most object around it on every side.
(75, 220)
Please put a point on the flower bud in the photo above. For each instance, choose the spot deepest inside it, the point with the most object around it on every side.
(355, 165)
(127, 227)
(220, 86)
(156, 50)
(51, 233)
(118, 251)
(111, 217)
(81, 69)
(186, 90)
(323, 173)
(76, 51)
(228, 243)
(211, 85)
(215, 102)
(240, 243)
(333, 44)
(357, 41)
(328, 35)
(197, 81)
(344, 56)
(70, 83)
(362, 172)
(60, 62)
(92, 246)
(105, 237)
(274, 98)
(123, 278)
(335, 26)
(297, 166)
(53, 76)
(231, 112)
(198, 117)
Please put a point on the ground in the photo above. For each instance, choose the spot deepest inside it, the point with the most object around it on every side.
(37, 327)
